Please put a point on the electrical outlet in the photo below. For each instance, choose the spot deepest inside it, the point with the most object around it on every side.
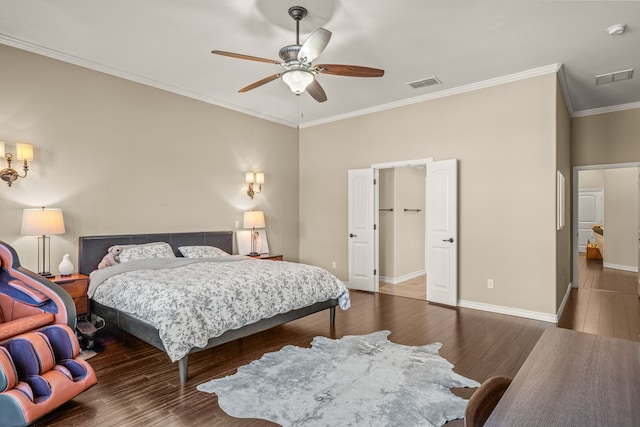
(490, 283)
(333, 264)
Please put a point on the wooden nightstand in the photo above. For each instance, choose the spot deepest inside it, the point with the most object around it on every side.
(271, 257)
(76, 285)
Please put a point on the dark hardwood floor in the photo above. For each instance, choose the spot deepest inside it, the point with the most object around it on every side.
(138, 385)
(605, 303)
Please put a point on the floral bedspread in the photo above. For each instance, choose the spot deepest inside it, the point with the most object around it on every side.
(192, 300)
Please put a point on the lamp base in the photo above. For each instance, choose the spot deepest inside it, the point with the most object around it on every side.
(253, 254)
(46, 274)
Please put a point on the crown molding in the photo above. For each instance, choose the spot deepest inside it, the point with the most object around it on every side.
(72, 59)
(610, 109)
(553, 68)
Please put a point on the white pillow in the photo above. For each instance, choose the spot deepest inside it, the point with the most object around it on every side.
(146, 251)
(201, 251)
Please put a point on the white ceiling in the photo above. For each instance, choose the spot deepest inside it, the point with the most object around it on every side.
(167, 44)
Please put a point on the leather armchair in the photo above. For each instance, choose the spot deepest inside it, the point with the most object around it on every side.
(39, 365)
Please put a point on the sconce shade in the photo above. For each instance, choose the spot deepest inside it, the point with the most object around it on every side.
(42, 222)
(259, 178)
(1, 148)
(24, 151)
(253, 219)
(297, 80)
(249, 178)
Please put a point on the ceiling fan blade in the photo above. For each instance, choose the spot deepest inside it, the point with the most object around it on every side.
(316, 91)
(241, 56)
(260, 82)
(349, 70)
(314, 45)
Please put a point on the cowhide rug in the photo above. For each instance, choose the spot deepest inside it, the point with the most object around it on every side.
(353, 381)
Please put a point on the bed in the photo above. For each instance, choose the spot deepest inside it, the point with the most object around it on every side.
(138, 318)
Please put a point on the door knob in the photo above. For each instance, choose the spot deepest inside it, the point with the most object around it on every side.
(450, 239)
(353, 235)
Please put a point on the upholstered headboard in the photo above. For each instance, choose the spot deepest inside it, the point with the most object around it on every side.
(92, 249)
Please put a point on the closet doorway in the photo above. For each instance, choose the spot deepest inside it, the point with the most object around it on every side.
(402, 213)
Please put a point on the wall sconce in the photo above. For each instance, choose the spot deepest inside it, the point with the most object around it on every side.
(251, 179)
(23, 152)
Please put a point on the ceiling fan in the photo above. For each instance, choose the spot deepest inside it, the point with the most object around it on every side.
(299, 72)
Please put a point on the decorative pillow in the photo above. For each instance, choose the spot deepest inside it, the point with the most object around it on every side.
(201, 251)
(146, 251)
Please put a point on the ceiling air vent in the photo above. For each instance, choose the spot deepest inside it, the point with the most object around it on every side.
(430, 81)
(618, 76)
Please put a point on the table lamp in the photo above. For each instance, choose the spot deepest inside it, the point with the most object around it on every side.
(253, 220)
(43, 223)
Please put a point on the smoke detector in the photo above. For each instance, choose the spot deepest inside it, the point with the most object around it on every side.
(616, 30)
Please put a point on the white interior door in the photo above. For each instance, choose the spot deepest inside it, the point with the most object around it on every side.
(361, 230)
(442, 232)
(590, 212)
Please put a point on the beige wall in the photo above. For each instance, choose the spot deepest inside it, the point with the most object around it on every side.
(606, 138)
(402, 234)
(121, 157)
(563, 164)
(505, 140)
(621, 218)
(410, 226)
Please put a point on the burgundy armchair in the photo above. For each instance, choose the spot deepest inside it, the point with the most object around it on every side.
(39, 365)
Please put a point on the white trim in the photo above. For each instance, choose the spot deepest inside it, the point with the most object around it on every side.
(535, 315)
(553, 68)
(610, 109)
(396, 280)
(564, 301)
(620, 267)
(562, 78)
(403, 163)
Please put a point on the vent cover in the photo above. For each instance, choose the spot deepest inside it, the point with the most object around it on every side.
(429, 81)
(618, 76)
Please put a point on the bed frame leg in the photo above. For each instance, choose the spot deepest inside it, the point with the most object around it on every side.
(332, 316)
(183, 369)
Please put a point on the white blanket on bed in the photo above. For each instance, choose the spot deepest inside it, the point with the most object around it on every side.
(190, 301)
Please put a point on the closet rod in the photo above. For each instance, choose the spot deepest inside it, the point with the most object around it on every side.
(412, 210)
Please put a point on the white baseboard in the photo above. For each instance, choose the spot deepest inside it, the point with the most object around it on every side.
(620, 267)
(564, 302)
(535, 315)
(396, 280)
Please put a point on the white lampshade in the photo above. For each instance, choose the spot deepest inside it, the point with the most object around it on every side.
(297, 80)
(253, 219)
(42, 222)
(1, 148)
(249, 178)
(259, 178)
(24, 151)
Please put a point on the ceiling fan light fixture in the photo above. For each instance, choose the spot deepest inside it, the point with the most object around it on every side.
(297, 80)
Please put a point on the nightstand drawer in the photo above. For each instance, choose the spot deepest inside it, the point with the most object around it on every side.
(76, 286)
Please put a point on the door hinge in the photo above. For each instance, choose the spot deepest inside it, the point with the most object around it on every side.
(374, 181)
(375, 272)
(375, 226)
